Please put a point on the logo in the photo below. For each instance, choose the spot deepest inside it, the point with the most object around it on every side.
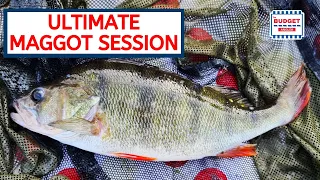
(287, 24)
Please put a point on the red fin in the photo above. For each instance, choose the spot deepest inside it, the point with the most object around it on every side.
(297, 92)
(134, 157)
(244, 150)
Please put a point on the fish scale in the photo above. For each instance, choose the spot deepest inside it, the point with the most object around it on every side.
(167, 108)
(149, 114)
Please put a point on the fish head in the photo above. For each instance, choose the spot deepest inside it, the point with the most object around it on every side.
(44, 106)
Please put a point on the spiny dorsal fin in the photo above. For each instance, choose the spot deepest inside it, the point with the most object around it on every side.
(228, 96)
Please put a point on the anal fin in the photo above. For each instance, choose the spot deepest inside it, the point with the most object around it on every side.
(240, 151)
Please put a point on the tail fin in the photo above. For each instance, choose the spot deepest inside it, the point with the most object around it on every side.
(297, 93)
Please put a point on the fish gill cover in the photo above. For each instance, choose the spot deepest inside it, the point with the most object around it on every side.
(221, 54)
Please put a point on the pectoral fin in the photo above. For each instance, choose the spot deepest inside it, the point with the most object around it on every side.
(80, 126)
(240, 151)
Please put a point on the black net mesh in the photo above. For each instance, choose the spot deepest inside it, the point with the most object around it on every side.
(226, 43)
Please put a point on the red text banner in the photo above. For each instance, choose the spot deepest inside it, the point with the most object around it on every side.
(94, 33)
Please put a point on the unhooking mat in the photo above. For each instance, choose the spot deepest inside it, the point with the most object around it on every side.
(226, 43)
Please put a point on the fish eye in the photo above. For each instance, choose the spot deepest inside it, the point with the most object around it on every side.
(38, 94)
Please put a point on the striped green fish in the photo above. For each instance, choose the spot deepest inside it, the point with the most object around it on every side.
(140, 112)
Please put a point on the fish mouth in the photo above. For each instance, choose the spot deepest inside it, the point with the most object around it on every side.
(26, 119)
(15, 116)
(22, 116)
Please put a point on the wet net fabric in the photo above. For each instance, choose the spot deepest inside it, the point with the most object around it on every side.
(226, 43)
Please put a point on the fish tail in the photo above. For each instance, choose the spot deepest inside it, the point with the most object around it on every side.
(297, 93)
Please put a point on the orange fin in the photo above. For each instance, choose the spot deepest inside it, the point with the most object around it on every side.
(240, 151)
(134, 157)
(305, 97)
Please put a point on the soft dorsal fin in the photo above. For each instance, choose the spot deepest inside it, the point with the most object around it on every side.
(227, 96)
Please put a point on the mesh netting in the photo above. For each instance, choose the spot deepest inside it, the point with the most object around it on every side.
(227, 43)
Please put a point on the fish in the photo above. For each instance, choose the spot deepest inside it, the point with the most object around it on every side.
(140, 112)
